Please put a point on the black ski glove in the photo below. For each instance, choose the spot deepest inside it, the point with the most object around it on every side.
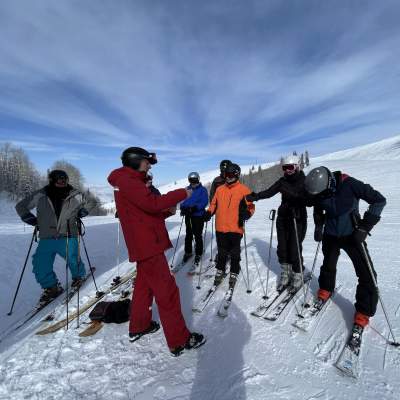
(29, 219)
(244, 213)
(184, 212)
(364, 226)
(207, 216)
(83, 213)
(252, 197)
(359, 235)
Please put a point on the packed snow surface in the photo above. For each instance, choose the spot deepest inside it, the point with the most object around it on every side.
(244, 357)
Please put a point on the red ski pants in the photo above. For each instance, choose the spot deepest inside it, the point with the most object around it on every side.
(154, 280)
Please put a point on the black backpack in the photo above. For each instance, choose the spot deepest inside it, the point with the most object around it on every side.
(111, 311)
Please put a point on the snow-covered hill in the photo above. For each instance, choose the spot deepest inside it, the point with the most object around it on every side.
(244, 357)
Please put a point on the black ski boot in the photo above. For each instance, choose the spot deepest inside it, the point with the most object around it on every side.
(50, 294)
(77, 282)
(219, 276)
(154, 327)
(186, 257)
(232, 280)
(197, 260)
(195, 341)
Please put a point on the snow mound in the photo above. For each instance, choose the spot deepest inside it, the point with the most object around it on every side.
(387, 149)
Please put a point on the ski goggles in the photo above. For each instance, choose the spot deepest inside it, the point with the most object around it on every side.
(194, 180)
(231, 175)
(151, 158)
(288, 167)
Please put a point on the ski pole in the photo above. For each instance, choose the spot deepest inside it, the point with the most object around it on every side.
(212, 239)
(247, 262)
(78, 259)
(177, 242)
(118, 249)
(87, 256)
(259, 276)
(66, 272)
(299, 253)
(201, 259)
(305, 305)
(272, 215)
(23, 270)
(371, 271)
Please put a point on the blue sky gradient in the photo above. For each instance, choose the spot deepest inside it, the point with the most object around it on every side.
(196, 81)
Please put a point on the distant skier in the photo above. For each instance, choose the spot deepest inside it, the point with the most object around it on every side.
(292, 208)
(58, 207)
(231, 211)
(193, 210)
(338, 195)
(142, 215)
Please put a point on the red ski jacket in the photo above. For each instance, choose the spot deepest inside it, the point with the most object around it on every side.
(142, 213)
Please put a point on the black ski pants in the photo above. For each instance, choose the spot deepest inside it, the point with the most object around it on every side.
(228, 245)
(366, 294)
(287, 245)
(194, 227)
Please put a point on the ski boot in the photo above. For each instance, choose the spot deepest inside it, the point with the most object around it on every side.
(284, 279)
(232, 280)
(219, 276)
(195, 340)
(50, 293)
(186, 257)
(154, 327)
(77, 282)
(296, 281)
(196, 261)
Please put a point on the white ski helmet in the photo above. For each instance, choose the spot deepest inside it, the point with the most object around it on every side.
(291, 160)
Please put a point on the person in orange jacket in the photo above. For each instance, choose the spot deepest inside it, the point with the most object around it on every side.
(231, 211)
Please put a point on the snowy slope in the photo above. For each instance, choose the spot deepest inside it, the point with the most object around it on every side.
(244, 358)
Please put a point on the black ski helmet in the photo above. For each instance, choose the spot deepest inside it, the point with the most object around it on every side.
(194, 177)
(223, 164)
(233, 170)
(132, 156)
(57, 174)
(319, 180)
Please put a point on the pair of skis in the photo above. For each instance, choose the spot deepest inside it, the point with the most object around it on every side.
(54, 327)
(271, 309)
(348, 360)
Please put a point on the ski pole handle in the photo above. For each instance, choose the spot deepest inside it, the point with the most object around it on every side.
(272, 214)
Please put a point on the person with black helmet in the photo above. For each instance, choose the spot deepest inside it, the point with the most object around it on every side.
(220, 179)
(193, 210)
(292, 210)
(339, 226)
(58, 207)
(231, 211)
(149, 183)
(142, 215)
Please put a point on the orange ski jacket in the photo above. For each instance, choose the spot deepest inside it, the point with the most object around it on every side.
(225, 206)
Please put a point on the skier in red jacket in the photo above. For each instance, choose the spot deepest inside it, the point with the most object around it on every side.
(142, 215)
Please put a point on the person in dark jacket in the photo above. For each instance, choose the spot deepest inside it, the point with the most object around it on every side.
(292, 215)
(142, 215)
(220, 179)
(149, 184)
(58, 207)
(338, 196)
(193, 210)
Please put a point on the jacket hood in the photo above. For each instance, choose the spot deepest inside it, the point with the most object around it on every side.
(124, 172)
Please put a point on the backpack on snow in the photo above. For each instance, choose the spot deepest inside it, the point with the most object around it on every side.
(111, 311)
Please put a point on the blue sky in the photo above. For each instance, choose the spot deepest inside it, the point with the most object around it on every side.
(196, 81)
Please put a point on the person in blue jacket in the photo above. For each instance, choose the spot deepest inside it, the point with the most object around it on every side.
(193, 210)
(339, 226)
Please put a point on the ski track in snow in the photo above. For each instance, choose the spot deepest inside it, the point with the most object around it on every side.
(244, 357)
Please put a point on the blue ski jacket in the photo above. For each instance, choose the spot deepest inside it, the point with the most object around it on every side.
(198, 199)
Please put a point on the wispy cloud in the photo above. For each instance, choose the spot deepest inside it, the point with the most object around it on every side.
(202, 80)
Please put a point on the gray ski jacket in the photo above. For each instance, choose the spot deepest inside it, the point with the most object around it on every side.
(49, 226)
